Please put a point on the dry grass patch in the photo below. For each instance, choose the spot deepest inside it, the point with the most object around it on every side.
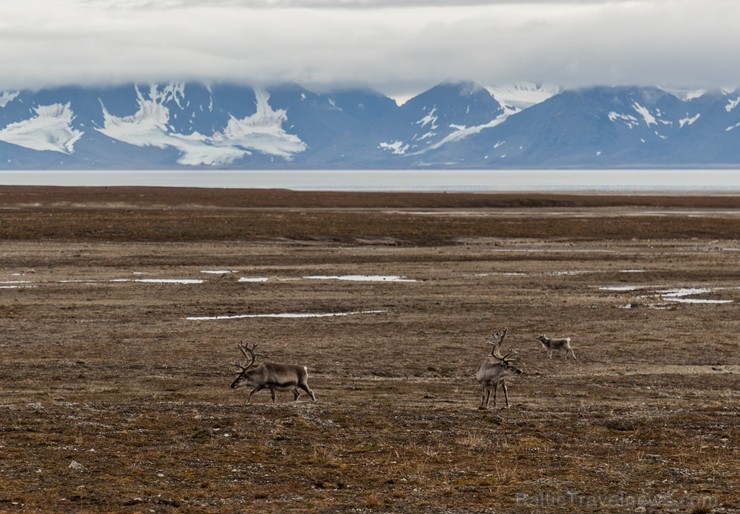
(114, 401)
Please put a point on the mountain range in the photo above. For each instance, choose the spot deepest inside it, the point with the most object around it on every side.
(453, 125)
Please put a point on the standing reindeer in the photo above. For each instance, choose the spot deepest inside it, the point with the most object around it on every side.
(551, 344)
(494, 370)
(281, 377)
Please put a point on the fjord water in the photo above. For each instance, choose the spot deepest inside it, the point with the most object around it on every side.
(663, 180)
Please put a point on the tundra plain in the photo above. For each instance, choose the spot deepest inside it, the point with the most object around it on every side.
(121, 310)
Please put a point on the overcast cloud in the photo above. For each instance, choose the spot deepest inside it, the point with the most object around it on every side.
(395, 47)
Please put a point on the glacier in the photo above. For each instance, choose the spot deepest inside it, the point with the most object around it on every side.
(263, 131)
(50, 129)
(149, 126)
(522, 95)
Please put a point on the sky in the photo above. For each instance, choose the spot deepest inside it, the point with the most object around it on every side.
(397, 47)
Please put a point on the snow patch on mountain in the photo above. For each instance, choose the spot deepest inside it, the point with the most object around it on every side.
(627, 119)
(430, 119)
(6, 97)
(732, 103)
(688, 120)
(146, 127)
(461, 132)
(522, 95)
(50, 129)
(263, 131)
(395, 147)
(686, 95)
(647, 117)
(197, 150)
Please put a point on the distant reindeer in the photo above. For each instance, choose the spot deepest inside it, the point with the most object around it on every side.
(494, 370)
(551, 344)
(281, 377)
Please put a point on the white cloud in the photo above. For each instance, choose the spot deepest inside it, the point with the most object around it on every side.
(377, 42)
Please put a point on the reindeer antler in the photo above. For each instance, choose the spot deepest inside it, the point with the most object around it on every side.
(249, 353)
(506, 358)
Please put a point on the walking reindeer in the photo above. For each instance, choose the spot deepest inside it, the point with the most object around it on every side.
(550, 344)
(494, 370)
(270, 375)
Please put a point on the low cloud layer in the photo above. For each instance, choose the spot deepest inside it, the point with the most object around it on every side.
(396, 49)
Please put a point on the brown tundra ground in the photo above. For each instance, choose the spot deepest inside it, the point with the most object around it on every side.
(121, 310)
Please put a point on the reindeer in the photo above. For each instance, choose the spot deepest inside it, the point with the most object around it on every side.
(281, 377)
(551, 344)
(494, 370)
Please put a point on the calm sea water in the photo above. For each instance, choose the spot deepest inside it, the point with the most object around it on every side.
(700, 181)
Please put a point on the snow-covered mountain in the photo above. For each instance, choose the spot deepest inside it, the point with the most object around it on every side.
(452, 125)
(611, 127)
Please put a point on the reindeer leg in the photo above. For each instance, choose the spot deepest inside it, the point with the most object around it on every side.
(255, 390)
(272, 393)
(296, 394)
(308, 390)
(506, 393)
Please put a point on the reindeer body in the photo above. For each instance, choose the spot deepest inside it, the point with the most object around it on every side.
(493, 371)
(551, 344)
(272, 376)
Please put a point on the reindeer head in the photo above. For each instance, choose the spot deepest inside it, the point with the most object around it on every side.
(245, 368)
(496, 340)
